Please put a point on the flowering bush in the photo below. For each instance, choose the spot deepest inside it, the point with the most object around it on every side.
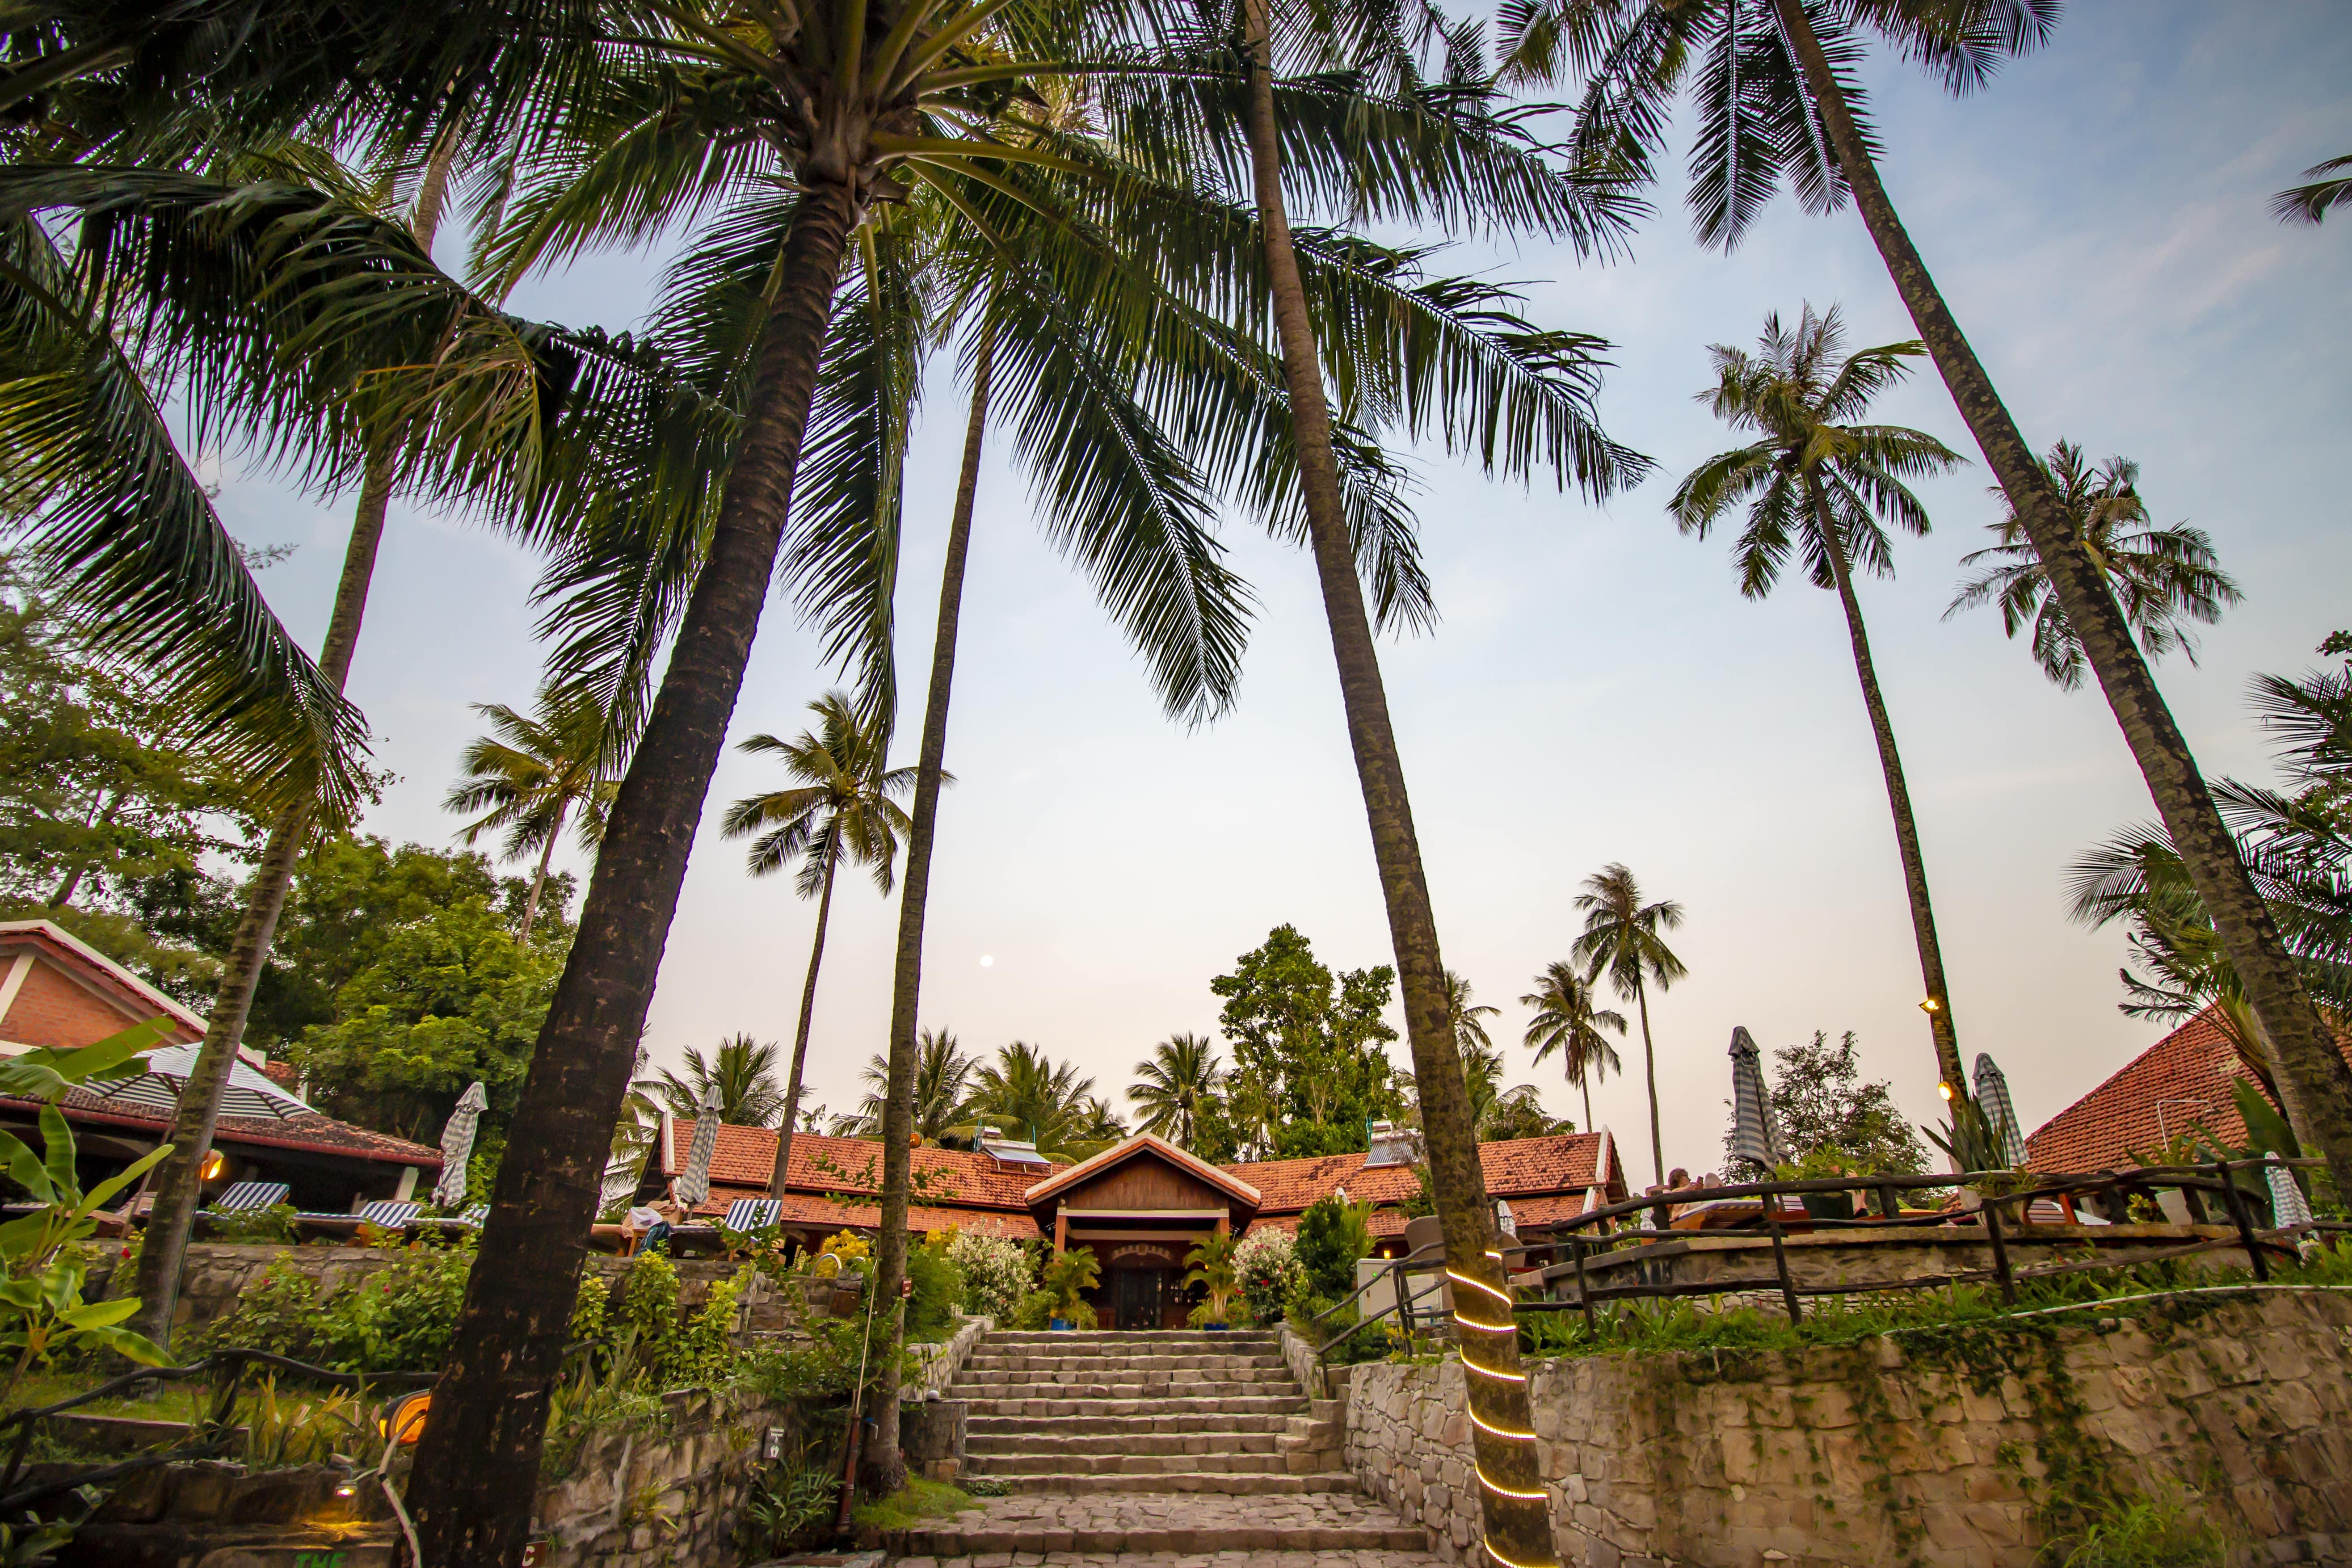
(995, 1274)
(1269, 1272)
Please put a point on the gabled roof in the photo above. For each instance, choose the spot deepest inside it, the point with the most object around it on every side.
(306, 1132)
(139, 1000)
(2190, 1071)
(1140, 1144)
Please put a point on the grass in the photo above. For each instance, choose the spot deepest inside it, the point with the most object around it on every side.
(1665, 1327)
(147, 1402)
(920, 1499)
(2146, 1533)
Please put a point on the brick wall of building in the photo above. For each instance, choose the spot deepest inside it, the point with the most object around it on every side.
(52, 1010)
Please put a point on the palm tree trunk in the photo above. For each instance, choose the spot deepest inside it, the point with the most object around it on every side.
(1517, 1518)
(539, 877)
(1940, 1027)
(477, 1466)
(1650, 1067)
(883, 1469)
(178, 1186)
(179, 1183)
(800, 1039)
(2314, 1080)
(1585, 1084)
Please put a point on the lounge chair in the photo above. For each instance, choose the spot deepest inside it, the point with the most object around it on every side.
(389, 1214)
(250, 1197)
(752, 1213)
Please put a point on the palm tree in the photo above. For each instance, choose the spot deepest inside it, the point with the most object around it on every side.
(1175, 1087)
(1465, 1020)
(1816, 485)
(1025, 1090)
(943, 1082)
(837, 810)
(2310, 204)
(1623, 936)
(528, 773)
(2162, 577)
(743, 1072)
(1566, 1021)
(1777, 90)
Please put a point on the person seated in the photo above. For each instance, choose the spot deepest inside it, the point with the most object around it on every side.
(646, 1224)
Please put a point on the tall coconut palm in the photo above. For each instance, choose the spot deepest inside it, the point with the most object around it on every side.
(1623, 938)
(1175, 1087)
(1025, 1090)
(2162, 577)
(1566, 1021)
(530, 772)
(1817, 486)
(743, 1072)
(1778, 96)
(838, 811)
(1468, 1019)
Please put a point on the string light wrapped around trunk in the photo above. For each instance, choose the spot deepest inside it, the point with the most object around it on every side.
(1503, 1454)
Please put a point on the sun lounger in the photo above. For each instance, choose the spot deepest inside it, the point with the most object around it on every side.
(752, 1213)
(389, 1214)
(250, 1197)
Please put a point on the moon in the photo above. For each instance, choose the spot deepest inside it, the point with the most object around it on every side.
(988, 960)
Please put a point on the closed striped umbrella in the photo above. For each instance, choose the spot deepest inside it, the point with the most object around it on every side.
(694, 1182)
(457, 1145)
(1754, 1134)
(2288, 1209)
(1999, 1112)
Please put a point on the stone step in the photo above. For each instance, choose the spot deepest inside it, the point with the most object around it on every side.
(926, 1544)
(1124, 1372)
(1169, 1341)
(1148, 1528)
(985, 1360)
(1196, 1389)
(1068, 1463)
(1067, 1484)
(1061, 1406)
(1028, 1440)
(1156, 1424)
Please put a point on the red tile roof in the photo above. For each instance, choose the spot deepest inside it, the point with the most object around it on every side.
(307, 1130)
(1223, 1180)
(2190, 1070)
(802, 1212)
(746, 1156)
(1529, 1166)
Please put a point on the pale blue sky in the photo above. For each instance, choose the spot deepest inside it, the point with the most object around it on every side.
(1596, 690)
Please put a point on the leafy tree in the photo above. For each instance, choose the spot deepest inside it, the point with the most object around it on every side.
(1566, 1021)
(1624, 937)
(529, 774)
(1822, 1108)
(742, 1069)
(2162, 577)
(1175, 1088)
(1779, 97)
(100, 792)
(838, 810)
(446, 998)
(1332, 1235)
(1817, 486)
(1310, 1041)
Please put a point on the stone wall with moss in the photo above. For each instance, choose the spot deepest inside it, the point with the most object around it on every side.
(1965, 1446)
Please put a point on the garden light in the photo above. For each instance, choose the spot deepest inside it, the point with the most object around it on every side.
(1946, 1090)
(1931, 1005)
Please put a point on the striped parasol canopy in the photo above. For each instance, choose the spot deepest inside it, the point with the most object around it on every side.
(1999, 1112)
(158, 1088)
(1754, 1134)
(2289, 1211)
(458, 1144)
(694, 1182)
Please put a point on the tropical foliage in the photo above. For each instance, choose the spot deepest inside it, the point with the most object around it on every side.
(1827, 1113)
(1564, 1019)
(1308, 1053)
(742, 1071)
(1176, 1089)
(533, 770)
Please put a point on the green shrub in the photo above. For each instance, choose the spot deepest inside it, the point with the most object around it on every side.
(1331, 1236)
(649, 1306)
(274, 1224)
(938, 1290)
(996, 1273)
(2142, 1533)
(399, 1319)
(704, 1348)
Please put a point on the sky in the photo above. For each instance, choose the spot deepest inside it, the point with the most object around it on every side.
(1597, 690)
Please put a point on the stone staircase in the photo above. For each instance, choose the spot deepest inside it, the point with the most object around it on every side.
(1125, 1443)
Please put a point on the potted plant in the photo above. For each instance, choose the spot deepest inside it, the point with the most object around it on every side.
(1068, 1274)
(1211, 1261)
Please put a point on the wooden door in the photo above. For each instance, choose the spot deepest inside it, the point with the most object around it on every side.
(1136, 1295)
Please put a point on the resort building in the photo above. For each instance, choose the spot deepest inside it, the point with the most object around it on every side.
(58, 991)
(1138, 1205)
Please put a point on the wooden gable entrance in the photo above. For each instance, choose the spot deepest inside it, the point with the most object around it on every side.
(1139, 1208)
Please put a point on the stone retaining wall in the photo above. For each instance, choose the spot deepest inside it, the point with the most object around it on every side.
(1944, 1448)
(937, 1365)
(634, 1500)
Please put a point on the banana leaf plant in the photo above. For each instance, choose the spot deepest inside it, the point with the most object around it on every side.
(43, 1267)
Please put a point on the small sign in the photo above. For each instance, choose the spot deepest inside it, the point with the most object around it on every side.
(771, 1443)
